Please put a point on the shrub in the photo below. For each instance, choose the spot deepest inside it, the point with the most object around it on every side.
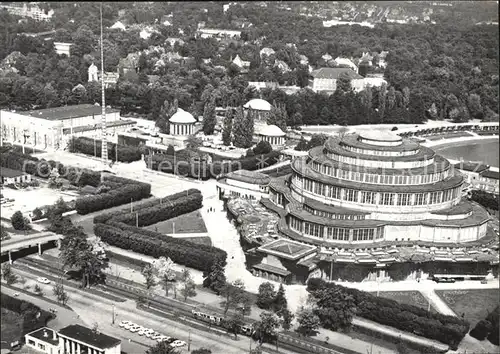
(262, 148)
(37, 214)
(19, 222)
(481, 330)
(447, 329)
(33, 317)
(90, 147)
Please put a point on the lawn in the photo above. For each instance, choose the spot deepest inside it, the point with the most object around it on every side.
(12, 326)
(475, 304)
(406, 297)
(184, 224)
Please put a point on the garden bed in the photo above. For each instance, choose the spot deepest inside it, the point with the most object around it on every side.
(184, 224)
(406, 297)
(475, 304)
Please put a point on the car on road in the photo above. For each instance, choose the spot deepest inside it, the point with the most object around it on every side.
(178, 344)
(43, 280)
(126, 324)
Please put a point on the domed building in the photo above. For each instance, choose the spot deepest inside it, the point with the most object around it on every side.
(259, 107)
(376, 189)
(182, 123)
(272, 134)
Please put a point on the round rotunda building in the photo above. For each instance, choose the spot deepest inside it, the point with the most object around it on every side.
(375, 189)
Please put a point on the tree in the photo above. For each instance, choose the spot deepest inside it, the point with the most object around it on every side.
(227, 128)
(382, 94)
(4, 234)
(170, 150)
(308, 321)
(216, 279)
(287, 317)
(242, 129)
(162, 120)
(54, 181)
(209, 119)
(262, 148)
(295, 120)
(234, 323)
(344, 83)
(164, 269)
(266, 295)
(265, 329)
(162, 348)
(19, 222)
(302, 145)
(59, 292)
(37, 213)
(88, 257)
(235, 297)
(189, 287)
(334, 308)
(276, 117)
(7, 274)
(193, 142)
(148, 273)
(317, 140)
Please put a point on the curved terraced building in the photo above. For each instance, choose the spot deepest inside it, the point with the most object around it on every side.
(375, 189)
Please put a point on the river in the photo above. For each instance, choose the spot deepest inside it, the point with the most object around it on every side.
(484, 151)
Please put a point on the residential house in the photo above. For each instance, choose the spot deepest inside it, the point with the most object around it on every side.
(303, 59)
(344, 62)
(267, 52)
(489, 182)
(218, 33)
(9, 176)
(28, 9)
(119, 26)
(259, 85)
(173, 40)
(284, 68)
(325, 79)
(244, 65)
(62, 48)
(327, 57)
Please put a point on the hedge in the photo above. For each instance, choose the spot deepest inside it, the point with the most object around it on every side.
(203, 170)
(29, 311)
(488, 328)
(103, 218)
(129, 190)
(85, 146)
(446, 329)
(180, 251)
(165, 211)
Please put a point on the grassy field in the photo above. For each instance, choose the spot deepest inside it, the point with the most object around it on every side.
(475, 304)
(406, 297)
(184, 224)
(12, 326)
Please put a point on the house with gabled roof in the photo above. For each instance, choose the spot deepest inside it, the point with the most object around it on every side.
(325, 79)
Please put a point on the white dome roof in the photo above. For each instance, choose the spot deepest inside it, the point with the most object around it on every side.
(181, 116)
(378, 135)
(272, 130)
(258, 104)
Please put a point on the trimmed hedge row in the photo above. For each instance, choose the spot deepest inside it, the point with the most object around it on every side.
(128, 190)
(86, 146)
(203, 170)
(446, 329)
(200, 257)
(103, 218)
(29, 311)
(152, 215)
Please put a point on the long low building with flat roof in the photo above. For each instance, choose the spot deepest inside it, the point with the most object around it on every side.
(51, 128)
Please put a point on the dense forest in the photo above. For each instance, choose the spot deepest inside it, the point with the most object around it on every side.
(443, 71)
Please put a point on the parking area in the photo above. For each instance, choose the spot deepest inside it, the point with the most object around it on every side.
(26, 200)
(150, 333)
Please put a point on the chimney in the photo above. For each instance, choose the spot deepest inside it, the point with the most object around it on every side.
(54, 337)
(45, 334)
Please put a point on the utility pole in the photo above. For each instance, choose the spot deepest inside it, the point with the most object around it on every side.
(136, 219)
(173, 227)
(113, 319)
(131, 207)
(189, 341)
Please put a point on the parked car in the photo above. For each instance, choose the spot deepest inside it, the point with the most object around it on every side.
(43, 280)
(152, 334)
(162, 339)
(178, 344)
(156, 336)
(125, 323)
(135, 329)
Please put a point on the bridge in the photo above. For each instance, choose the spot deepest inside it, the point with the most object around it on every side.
(37, 239)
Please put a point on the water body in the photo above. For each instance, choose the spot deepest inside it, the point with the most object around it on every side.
(484, 151)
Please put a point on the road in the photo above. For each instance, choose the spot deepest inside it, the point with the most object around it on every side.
(91, 309)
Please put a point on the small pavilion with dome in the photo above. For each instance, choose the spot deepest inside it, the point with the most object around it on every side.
(182, 123)
(272, 134)
(260, 107)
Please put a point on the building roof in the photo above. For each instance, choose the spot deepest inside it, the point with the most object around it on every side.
(286, 248)
(88, 336)
(272, 130)
(249, 177)
(182, 117)
(377, 135)
(258, 104)
(471, 167)
(345, 61)
(334, 73)
(67, 112)
(46, 335)
(7, 172)
(490, 174)
(267, 51)
(272, 269)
